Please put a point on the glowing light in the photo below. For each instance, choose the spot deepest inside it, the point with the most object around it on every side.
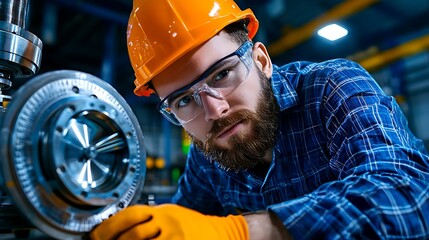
(332, 32)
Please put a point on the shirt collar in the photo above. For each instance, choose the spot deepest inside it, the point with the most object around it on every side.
(283, 90)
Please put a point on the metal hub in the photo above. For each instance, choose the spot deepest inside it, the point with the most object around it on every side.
(20, 50)
(74, 152)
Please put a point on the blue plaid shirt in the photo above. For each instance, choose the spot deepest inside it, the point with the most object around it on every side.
(345, 164)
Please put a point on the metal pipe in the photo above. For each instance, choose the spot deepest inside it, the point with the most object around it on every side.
(14, 12)
(20, 50)
(404, 50)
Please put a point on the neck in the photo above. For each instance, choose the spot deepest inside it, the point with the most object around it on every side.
(268, 158)
(262, 167)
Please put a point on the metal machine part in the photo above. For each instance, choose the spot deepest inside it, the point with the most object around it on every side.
(20, 50)
(72, 153)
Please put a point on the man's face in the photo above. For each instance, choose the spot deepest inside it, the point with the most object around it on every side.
(238, 129)
(245, 149)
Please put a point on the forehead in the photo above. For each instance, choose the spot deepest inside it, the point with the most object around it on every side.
(193, 64)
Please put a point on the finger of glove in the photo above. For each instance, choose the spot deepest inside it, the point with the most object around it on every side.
(146, 230)
(121, 222)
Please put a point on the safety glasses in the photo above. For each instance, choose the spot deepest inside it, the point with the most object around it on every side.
(218, 81)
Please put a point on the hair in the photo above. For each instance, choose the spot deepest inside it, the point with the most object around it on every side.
(238, 31)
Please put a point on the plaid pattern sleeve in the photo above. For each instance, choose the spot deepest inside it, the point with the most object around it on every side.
(345, 166)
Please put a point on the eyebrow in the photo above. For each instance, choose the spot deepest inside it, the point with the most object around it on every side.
(213, 68)
(175, 95)
(185, 88)
(205, 73)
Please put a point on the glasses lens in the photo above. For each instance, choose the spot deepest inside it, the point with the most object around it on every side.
(223, 77)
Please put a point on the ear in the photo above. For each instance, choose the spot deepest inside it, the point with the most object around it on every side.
(262, 59)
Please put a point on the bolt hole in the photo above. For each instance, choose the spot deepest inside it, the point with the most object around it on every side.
(84, 194)
(72, 108)
(62, 168)
(75, 89)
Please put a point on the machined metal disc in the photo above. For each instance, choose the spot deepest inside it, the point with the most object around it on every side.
(20, 50)
(72, 152)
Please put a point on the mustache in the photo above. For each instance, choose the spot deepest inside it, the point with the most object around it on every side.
(233, 118)
(246, 149)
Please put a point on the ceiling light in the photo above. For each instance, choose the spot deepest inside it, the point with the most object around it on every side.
(332, 32)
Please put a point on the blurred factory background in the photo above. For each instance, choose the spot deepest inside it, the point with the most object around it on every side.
(388, 37)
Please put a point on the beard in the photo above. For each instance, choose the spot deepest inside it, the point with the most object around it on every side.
(246, 150)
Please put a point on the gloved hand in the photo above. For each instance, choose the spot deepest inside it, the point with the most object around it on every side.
(169, 221)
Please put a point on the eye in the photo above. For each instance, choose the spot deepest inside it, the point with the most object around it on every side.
(183, 101)
(223, 72)
(221, 75)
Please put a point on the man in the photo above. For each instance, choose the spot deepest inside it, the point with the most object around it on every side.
(306, 150)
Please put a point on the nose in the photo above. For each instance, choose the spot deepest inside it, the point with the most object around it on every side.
(214, 107)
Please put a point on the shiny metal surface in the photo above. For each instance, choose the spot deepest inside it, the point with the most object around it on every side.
(20, 51)
(14, 11)
(72, 153)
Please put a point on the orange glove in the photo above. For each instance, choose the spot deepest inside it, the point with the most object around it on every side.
(170, 221)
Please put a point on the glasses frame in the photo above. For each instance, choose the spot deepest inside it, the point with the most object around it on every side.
(170, 116)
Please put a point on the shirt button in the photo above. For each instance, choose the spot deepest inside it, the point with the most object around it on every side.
(226, 196)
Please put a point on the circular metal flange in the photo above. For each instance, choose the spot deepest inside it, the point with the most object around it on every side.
(72, 152)
(20, 50)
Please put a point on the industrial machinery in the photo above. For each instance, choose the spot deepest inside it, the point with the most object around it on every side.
(72, 151)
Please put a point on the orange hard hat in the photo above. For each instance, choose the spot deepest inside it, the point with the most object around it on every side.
(161, 31)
